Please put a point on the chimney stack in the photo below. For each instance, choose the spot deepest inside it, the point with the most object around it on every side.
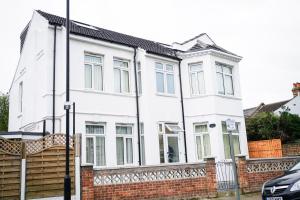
(296, 89)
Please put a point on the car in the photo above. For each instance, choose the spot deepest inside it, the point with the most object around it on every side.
(285, 187)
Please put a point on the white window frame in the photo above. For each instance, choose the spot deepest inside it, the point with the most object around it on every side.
(121, 75)
(234, 133)
(165, 73)
(93, 64)
(223, 78)
(202, 140)
(21, 92)
(125, 136)
(93, 136)
(191, 72)
(142, 141)
(139, 77)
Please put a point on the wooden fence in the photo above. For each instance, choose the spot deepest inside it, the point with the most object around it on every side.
(44, 166)
(265, 149)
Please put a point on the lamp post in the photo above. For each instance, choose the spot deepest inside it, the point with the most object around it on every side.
(67, 106)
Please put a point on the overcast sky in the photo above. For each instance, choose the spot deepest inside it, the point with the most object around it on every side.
(266, 33)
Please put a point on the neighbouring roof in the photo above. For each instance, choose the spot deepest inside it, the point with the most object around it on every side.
(264, 108)
(86, 30)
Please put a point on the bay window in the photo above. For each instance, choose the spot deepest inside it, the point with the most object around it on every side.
(202, 139)
(164, 78)
(93, 72)
(121, 76)
(95, 144)
(196, 78)
(224, 79)
(124, 144)
(235, 140)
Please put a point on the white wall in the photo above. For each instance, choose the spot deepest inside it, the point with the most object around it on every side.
(293, 105)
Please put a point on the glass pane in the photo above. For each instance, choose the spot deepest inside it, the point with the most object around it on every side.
(219, 68)
(129, 152)
(142, 150)
(173, 151)
(142, 128)
(228, 85)
(199, 148)
(159, 66)
(194, 84)
(226, 146)
(125, 84)
(120, 151)
(100, 151)
(236, 144)
(160, 82)
(120, 64)
(206, 145)
(124, 130)
(117, 77)
(139, 83)
(224, 127)
(161, 149)
(220, 83)
(94, 129)
(89, 150)
(201, 84)
(169, 68)
(201, 128)
(195, 67)
(88, 76)
(98, 77)
(227, 70)
(92, 59)
(170, 83)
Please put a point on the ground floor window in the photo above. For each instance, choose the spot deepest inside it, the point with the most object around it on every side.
(143, 162)
(95, 144)
(202, 140)
(235, 140)
(124, 144)
(169, 142)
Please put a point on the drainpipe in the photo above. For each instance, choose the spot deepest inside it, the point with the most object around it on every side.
(137, 105)
(182, 111)
(53, 94)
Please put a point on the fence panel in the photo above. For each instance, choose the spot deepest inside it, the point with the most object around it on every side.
(265, 149)
(45, 167)
(10, 165)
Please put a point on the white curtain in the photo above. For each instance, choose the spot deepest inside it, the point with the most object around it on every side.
(160, 82)
(228, 85)
(117, 77)
(220, 83)
(120, 151)
(199, 147)
(170, 83)
(125, 84)
(100, 151)
(201, 84)
(129, 151)
(98, 77)
(89, 150)
(206, 145)
(88, 76)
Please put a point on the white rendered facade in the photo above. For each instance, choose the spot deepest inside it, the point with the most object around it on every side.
(107, 118)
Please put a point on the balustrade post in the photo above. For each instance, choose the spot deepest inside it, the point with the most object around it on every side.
(87, 182)
(242, 173)
(210, 166)
(23, 172)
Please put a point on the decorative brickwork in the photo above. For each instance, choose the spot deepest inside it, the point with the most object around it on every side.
(151, 182)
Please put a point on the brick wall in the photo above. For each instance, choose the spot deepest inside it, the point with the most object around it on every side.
(290, 150)
(254, 172)
(187, 181)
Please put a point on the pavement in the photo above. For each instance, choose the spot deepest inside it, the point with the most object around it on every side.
(252, 196)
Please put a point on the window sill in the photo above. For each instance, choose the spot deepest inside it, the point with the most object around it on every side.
(20, 115)
(166, 95)
(228, 96)
(103, 92)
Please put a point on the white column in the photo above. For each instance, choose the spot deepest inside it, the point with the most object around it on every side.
(23, 179)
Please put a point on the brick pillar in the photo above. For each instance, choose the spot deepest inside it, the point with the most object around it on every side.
(211, 177)
(87, 182)
(243, 174)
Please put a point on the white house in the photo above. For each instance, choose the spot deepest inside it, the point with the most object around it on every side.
(177, 95)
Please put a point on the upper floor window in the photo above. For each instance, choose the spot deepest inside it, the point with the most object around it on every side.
(93, 72)
(164, 78)
(139, 77)
(95, 144)
(121, 76)
(202, 140)
(124, 144)
(224, 79)
(235, 140)
(21, 97)
(197, 78)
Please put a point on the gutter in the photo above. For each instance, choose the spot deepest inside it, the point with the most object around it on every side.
(54, 70)
(182, 111)
(137, 106)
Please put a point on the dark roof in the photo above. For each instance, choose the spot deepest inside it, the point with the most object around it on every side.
(272, 106)
(23, 36)
(200, 47)
(111, 36)
(250, 112)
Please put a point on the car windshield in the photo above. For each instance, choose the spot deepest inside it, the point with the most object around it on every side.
(295, 167)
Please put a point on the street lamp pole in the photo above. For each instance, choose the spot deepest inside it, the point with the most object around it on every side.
(67, 106)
